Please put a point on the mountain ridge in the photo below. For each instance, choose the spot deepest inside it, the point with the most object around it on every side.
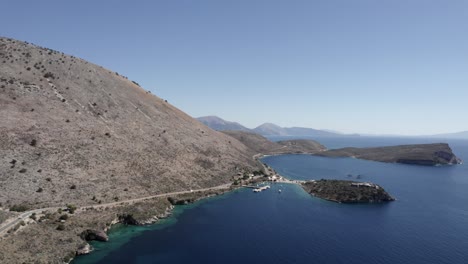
(265, 129)
(271, 129)
(220, 124)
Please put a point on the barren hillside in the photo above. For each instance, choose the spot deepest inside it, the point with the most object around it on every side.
(263, 145)
(74, 132)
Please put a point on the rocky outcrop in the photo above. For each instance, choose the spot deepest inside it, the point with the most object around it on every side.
(143, 219)
(188, 198)
(347, 191)
(180, 201)
(97, 235)
(84, 249)
(419, 154)
(448, 156)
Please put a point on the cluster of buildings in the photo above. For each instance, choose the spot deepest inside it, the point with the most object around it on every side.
(274, 177)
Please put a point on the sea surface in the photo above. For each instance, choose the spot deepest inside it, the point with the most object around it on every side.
(427, 224)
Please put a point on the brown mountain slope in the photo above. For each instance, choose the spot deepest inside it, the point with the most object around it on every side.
(260, 144)
(71, 130)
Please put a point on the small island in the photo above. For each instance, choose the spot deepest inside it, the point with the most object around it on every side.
(341, 191)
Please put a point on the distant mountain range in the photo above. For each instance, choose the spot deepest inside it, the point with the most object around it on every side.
(270, 129)
(457, 135)
(267, 129)
(220, 124)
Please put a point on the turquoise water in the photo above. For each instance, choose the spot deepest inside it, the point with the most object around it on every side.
(427, 224)
(120, 234)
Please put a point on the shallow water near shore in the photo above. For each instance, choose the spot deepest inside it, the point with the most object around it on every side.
(120, 234)
(427, 224)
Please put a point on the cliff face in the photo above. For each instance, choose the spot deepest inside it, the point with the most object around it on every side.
(71, 130)
(347, 191)
(420, 154)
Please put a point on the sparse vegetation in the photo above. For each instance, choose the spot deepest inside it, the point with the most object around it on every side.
(63, 217)
(34, 141)
(258, 173)
(19, 208)
(69, 257)
(71, 208)
(33, 216)
(49, 75)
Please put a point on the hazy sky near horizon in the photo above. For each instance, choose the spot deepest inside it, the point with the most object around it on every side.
(364, 66)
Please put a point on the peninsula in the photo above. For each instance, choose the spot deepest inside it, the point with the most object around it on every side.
(419, 154)
(347, 191)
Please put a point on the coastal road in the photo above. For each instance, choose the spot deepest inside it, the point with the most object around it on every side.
(5, 226)
(219, 187)
(9, 223)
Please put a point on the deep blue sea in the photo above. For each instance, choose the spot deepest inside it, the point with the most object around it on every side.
(427, 224)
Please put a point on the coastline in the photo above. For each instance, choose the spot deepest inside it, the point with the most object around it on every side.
(56, 225)
(139, 211)
(153, 219)
(191, 197)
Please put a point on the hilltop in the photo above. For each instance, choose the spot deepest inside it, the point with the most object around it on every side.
(220, 124)
(75, 132)
(420, 154)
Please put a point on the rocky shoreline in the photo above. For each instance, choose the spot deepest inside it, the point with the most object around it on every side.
(126, 219)
(65, 235)
(130, 218)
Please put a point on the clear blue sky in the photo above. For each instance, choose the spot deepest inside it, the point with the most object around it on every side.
(366, 66)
